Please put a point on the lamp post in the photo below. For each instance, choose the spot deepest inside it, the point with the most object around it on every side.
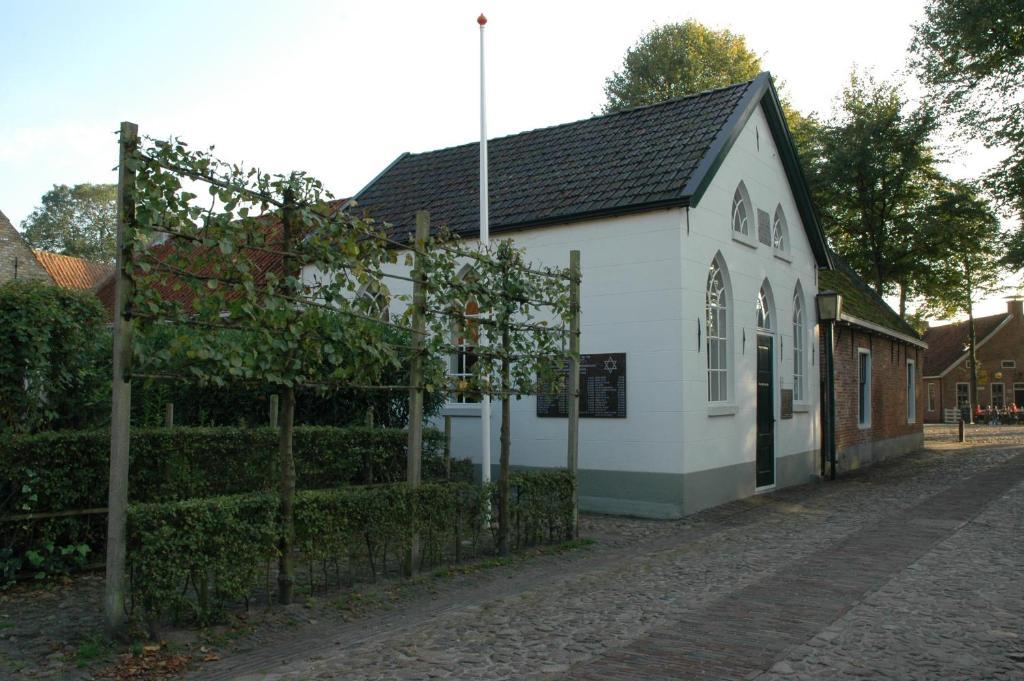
(830, 306)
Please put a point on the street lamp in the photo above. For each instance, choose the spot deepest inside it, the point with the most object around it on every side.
(830, 306)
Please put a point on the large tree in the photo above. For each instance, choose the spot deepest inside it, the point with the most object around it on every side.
(872, 171)
(79, 221)
(966, 264)
(679, 59)
(970, 54)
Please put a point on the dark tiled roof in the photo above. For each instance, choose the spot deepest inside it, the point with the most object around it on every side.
(946, 344)
(71, 272)
(860, 300)
(620, 162)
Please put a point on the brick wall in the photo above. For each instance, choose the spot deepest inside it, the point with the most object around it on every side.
(1006, 344)
(16, 259)
(888, 388)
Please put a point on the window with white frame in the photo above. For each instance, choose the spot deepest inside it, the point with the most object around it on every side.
(911, 391)
(377, 300)
(863, 387)
(464, 356)
(931, 397)
(780, 231)
(799, 341)
(765, 312)
(741, 211)
(999, 395)
(1009, 364)
(717, 326)
(963, 395)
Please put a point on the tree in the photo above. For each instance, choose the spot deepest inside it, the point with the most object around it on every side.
(872, 171)
(676, 60)
(79, 221)
(967, 266)
(970, 55)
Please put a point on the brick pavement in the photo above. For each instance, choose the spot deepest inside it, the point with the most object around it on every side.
(766, 587)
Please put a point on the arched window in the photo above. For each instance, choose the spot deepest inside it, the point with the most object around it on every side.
(799, 345)
(465, 337)
(717, 325)
(377, 300)
(741, 211)
(765, 308)
(780, 230)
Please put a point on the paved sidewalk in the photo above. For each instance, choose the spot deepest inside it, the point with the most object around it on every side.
(909, 569)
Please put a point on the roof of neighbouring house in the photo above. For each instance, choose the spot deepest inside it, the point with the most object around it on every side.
(71, 272)
(261, 261)
(860, 301)
(948, 343)
(655, 156)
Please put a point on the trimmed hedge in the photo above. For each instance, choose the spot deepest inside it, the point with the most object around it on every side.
(194, 558)
(67, 470)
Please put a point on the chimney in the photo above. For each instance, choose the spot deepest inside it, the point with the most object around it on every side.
(1015, 306)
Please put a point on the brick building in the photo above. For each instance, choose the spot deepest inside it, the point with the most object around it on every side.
(1000, 348)
(878, 381)
(16, 258)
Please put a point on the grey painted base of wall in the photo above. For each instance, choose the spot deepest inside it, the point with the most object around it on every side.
(867, 453)
(673, 495)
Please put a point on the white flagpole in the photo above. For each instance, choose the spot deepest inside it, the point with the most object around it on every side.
(485, 238)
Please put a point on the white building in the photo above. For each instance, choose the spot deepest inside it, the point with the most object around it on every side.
(700, 253)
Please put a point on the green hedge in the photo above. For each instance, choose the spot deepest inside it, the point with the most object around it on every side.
(196, 557)
(67, 470)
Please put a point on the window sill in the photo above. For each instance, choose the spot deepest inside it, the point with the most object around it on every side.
(456, 409)
(744, 239)
(722, 409)
(782, 255)
(864, 426)
(801, 407)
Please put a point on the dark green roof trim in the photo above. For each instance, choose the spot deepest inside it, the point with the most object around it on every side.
(762, 92)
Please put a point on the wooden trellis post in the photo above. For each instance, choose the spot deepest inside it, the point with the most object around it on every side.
(414, 456)
(573, 386)
(121, 392)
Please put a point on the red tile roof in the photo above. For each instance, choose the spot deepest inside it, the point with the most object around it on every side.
(71, 272)
(261, 261)
(947, 344)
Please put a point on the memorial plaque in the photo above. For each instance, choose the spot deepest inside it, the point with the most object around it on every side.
(787, 403)
(602, 389)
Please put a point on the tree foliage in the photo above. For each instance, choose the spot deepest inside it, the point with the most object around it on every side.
(80, 221)
(871, 170)
(679, 59)
(54, 357)
(970, 54)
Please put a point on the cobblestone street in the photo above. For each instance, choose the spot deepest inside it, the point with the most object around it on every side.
(906, 570)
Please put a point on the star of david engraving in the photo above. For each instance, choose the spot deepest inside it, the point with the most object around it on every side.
(610, 365)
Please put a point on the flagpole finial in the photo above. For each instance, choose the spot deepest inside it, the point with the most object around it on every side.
(482, 20)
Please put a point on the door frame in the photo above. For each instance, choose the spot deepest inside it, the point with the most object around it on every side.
(771, 363)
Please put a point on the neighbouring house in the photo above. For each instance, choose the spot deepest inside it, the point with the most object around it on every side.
(16, 258)
(701, 255)
(70, 272)
(1000, 350)
(878, 360)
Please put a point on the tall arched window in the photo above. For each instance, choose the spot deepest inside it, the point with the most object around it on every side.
(717, 325)
(377, 300)
(741, 211)
(765, 308)
(780, 230)
(799, 345)
(465, 337)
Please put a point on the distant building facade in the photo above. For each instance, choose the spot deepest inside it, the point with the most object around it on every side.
(947, 374)
(16, 258)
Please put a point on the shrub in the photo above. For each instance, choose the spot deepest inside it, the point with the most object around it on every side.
(67, 470)
(194, 557)
(54, 357)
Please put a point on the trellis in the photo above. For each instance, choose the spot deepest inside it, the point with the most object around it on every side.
(182, 264)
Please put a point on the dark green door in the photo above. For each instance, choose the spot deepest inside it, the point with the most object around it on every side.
(765, 412)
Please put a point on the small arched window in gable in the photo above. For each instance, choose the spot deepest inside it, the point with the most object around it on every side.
(377, 300)
(780, 231)
(741, 211)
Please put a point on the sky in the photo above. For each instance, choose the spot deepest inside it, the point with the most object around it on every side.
(340, 88)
